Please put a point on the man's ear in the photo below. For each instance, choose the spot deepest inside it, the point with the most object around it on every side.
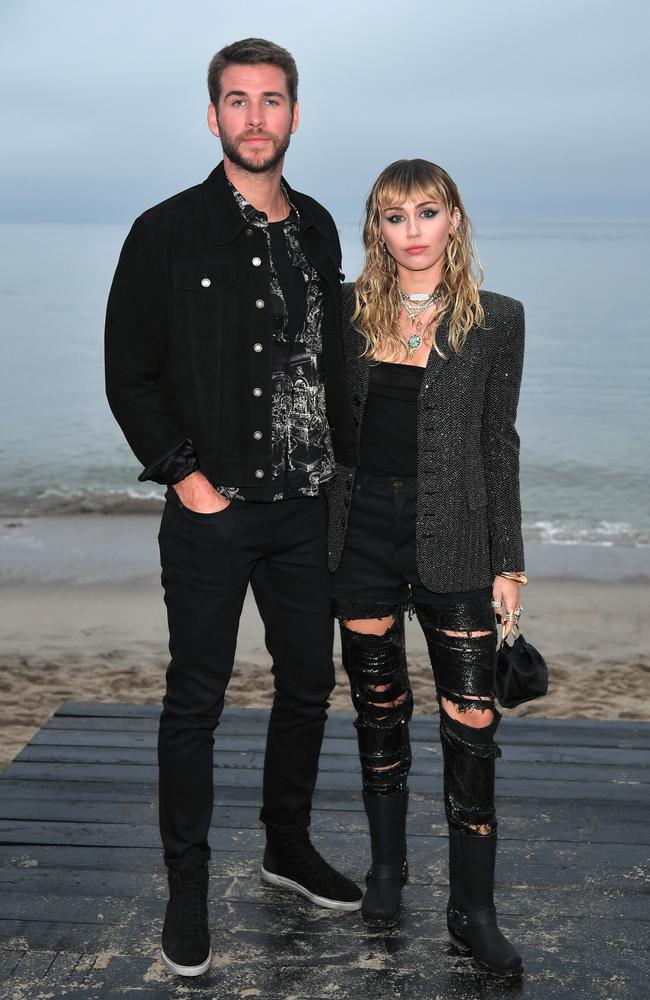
(213, 123)
(296, 117)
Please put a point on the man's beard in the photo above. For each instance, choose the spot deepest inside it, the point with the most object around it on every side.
(232, 150)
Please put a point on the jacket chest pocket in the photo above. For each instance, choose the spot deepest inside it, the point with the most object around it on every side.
(202, 294)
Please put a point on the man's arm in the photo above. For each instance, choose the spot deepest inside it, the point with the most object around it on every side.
(135, 348)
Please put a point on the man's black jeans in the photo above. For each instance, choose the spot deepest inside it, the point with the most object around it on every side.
(207, 562)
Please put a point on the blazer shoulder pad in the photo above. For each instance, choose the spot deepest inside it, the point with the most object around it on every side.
(499, 306)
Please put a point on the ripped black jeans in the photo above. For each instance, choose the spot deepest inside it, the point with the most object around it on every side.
(377, 580)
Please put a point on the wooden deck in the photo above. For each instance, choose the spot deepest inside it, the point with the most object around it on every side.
(83, 888)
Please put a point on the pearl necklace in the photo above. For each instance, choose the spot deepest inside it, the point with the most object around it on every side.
(415, 306)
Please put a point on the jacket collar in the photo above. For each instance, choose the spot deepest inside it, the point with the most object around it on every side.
(225, 214)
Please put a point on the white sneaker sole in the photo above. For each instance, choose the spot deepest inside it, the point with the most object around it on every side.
(328, 904)
(187, 970)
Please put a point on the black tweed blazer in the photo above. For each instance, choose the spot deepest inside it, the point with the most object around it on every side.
(468, 507)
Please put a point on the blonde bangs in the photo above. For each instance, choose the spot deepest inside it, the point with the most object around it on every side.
(378, 305)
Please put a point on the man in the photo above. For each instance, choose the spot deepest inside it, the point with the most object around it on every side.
(224, 369)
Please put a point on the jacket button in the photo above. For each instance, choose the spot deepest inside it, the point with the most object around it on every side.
(260, 303)
(259, 473)
(248, 231)
(257, 391)
(256, 261)
(257, 435)
(206, 282)
(257, 348)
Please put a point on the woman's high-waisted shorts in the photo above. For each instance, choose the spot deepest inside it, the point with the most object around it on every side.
(378, 571)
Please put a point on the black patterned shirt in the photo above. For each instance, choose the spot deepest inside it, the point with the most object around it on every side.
(302, 456)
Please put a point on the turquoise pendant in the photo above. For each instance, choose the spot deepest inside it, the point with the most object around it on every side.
(414, 342)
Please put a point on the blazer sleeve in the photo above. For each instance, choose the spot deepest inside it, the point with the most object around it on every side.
(135, 348)
(500, 445)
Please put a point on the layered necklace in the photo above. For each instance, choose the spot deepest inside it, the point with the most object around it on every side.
(416, 305)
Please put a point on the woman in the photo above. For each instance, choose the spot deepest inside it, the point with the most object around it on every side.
(431, 520)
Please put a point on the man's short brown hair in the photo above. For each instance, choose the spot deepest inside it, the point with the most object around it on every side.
(252, 52)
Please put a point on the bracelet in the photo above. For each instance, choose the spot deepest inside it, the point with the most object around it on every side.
(520, 578)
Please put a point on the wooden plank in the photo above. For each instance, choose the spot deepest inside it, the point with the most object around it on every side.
(426, 758)
(514, 731)
(9, 961)
(377, 971)
(423, 799)
(296, 938)
(154, 983)
(571, 821)
(40, 887)
(563, 855)
(242, 743)
(614, 824)
(596, 732)
(527, 785)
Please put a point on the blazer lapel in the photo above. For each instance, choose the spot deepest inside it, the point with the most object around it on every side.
(435, 364)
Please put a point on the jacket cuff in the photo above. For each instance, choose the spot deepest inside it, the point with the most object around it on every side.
(174, 466)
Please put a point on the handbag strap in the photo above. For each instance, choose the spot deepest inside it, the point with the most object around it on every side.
(515, 632)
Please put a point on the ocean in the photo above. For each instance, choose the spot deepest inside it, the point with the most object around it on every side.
(584, 409)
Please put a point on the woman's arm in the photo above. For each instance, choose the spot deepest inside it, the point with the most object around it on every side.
(500, 443)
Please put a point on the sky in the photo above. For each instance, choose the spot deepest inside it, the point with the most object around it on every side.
(537, 108)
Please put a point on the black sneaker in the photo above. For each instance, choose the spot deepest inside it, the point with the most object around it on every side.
(292, 862)
(185, 937)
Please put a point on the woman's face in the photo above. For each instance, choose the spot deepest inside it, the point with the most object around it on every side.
(416, 232)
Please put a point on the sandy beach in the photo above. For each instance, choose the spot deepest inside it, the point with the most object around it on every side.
(82, 618)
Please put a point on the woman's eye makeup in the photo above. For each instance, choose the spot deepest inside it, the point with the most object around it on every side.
(425, 213)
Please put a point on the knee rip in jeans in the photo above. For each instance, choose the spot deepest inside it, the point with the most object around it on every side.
(382, 696)
(378, 627)
(470, 753)
(475, 710)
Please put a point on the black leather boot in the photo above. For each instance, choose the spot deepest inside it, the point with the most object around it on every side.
(471, 915)
(389, 870)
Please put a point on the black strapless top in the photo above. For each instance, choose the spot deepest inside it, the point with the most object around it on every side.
(390, 420)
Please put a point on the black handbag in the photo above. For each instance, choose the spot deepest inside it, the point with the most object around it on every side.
(521, 673)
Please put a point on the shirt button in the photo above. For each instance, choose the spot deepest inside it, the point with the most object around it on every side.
(256, 261)
(257, 435)
(257, 348)
(257, 391)
(259, 473)
(206, 282)
(260, 303)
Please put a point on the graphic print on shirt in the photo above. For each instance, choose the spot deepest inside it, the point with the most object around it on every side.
(302, 455)
(298, 419)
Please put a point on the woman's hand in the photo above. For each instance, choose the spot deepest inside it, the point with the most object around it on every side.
(507, 592)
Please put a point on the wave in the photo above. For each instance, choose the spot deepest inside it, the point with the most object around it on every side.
(110, 501)
(138, 501)
(604, 533)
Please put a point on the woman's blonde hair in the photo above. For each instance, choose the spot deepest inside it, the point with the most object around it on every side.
(377, 292)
